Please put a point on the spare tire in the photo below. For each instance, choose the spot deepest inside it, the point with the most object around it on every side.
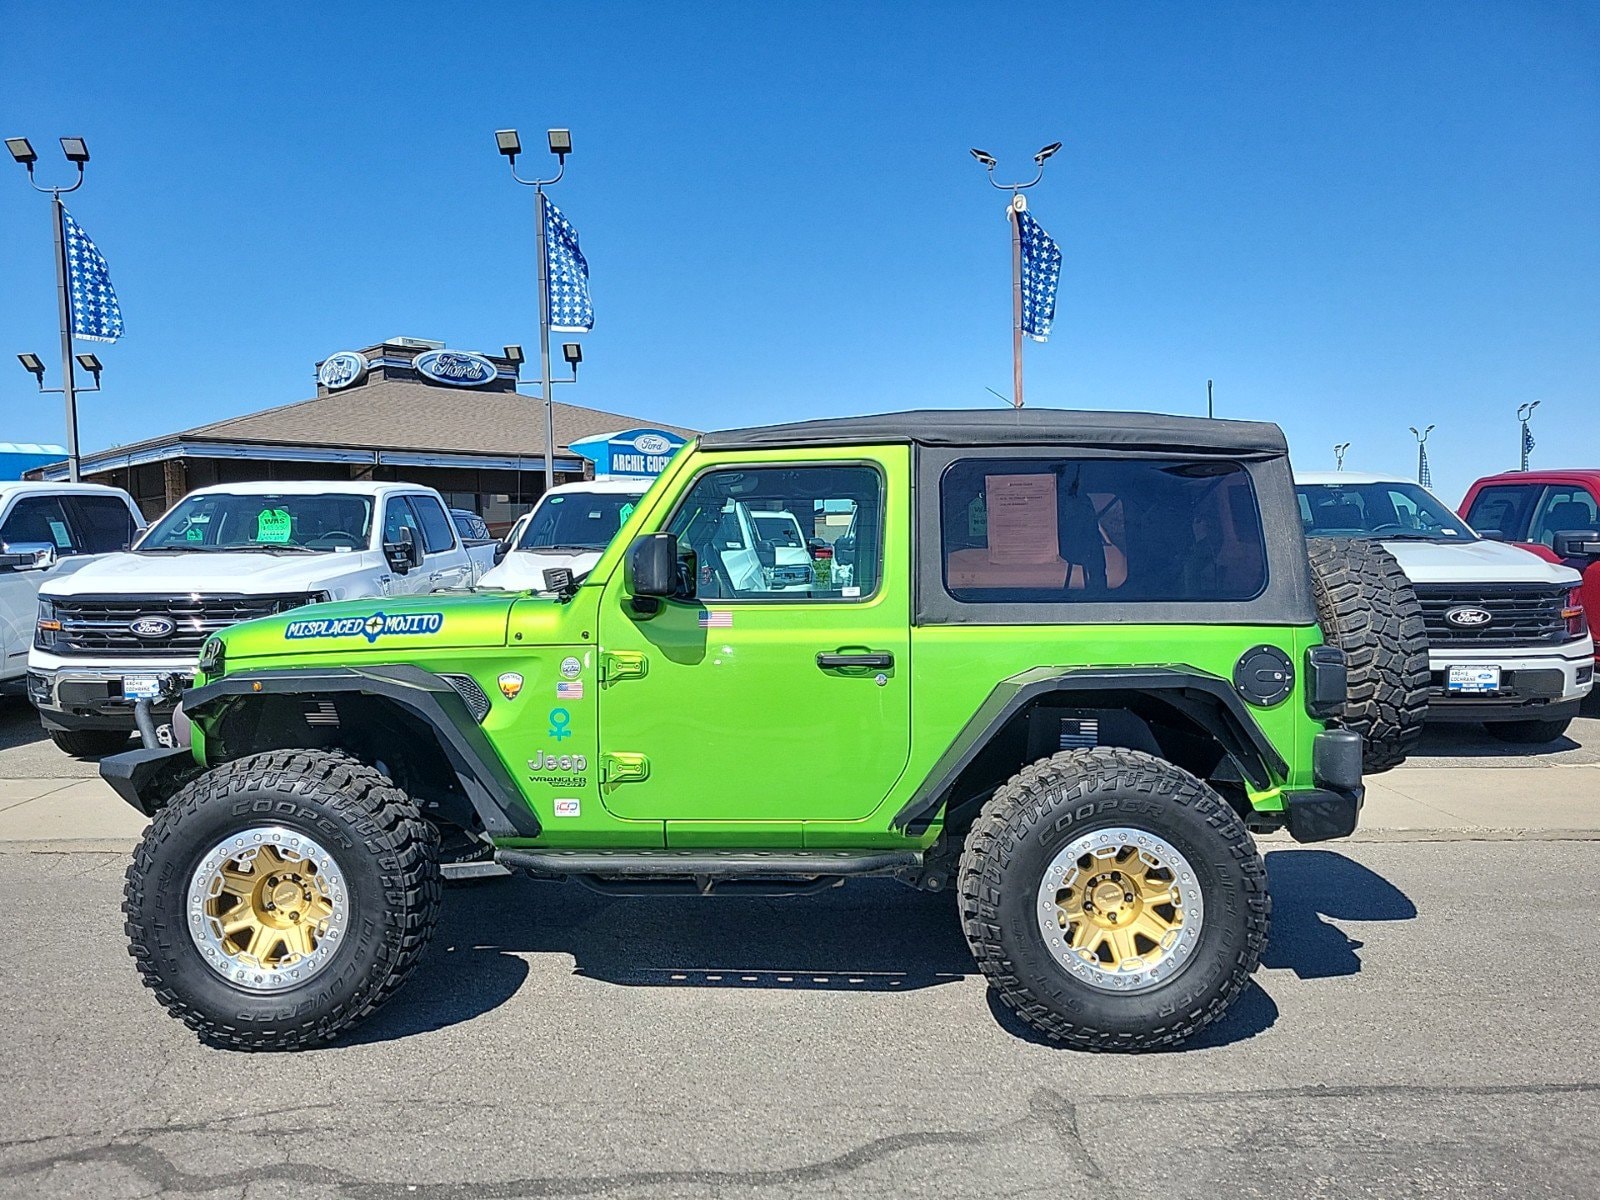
(1367, 608)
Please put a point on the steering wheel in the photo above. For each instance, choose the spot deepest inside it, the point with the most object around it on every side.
(335, 537)
(1392, 527)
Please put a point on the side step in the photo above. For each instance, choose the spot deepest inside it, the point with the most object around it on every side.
(705, 865)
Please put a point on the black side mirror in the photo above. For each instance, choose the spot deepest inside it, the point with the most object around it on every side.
(1492, 535)
(501, 549)
(402, 554)
(1577, 543)
(766, 553)
(653, 565)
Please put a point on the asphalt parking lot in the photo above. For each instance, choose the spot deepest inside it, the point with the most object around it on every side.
(1422, 1025)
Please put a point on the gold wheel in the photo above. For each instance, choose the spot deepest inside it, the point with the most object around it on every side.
(1120, 909)
(267, 908)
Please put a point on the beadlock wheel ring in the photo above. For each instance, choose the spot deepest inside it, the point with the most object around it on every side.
(267, 908)
(1120, 909)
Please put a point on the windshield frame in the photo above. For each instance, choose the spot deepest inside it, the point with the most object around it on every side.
(174, 524)
(1426, 503)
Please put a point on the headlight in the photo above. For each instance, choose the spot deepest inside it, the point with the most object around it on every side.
(212, 659)
(45, 631)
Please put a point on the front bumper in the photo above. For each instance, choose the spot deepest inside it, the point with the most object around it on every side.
(1534, 684)
(73, 693)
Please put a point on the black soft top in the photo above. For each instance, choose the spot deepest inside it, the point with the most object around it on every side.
(1116, 431)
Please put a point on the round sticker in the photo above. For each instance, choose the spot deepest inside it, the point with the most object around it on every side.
(571, 668)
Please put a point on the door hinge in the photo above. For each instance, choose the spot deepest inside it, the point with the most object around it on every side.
(624, 767)
(623, 664)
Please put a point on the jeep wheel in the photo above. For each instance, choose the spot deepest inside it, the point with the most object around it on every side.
(1367, 608)
(1528, 733)
(280, 899)
(1113, 900)
(89, 743)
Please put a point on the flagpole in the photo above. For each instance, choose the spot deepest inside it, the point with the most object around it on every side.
(539, 203)
(64, 304)
(1016, 299)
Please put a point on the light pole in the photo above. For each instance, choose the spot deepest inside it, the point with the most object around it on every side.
(510, 145)
(1338, 455)
(1018, 203)
(1422, 456)
(1524, 415)
(77, 153)
(1210, 412)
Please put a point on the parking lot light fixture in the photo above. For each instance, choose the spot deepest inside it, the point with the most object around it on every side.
(560, 142)
(22, 150)
(573, 353)
(76, 150)
(1047, 152)
(984, 157)
(509, 143)
(34, 365)
(91, 364)
(514, 354)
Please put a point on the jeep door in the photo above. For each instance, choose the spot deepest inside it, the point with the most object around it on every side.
(756, 706)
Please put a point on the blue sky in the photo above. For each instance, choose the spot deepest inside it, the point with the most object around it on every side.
(1355, 217)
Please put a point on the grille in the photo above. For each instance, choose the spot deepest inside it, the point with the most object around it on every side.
(1521, 614)
(467, 688)
(100, 624)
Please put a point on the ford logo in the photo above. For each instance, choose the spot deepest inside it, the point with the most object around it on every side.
(342, 369)
(152, 627)
(651, 443)
(1467, 617)
(458, 368)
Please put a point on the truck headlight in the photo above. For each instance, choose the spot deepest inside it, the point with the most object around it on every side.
(47, 627)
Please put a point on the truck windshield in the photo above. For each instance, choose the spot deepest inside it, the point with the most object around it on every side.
(1394, 511)
(577, 521)
(289, 523)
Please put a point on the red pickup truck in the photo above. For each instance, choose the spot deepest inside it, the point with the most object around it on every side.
(1556, 514)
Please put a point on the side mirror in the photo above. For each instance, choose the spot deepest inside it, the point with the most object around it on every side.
(1577, 543)
(27, 556)
(1492, 535)
(766, 553)
(653, 565)
(402, 554)
(501, 549)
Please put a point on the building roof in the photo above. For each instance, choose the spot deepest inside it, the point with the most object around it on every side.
(1144, 433)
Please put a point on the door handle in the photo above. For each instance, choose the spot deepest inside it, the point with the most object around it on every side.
(877, 658)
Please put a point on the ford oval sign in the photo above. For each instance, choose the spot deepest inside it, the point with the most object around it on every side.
(1468, 617)
(458, 368)
(343, 369)
(152, 627)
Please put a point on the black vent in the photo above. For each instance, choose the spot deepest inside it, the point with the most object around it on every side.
(467, 688)
(103, 624)
(1520, 614)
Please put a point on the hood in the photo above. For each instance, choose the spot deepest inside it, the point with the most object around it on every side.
(1475, 562)
(383, 626)
(136, 574)
(522, 570)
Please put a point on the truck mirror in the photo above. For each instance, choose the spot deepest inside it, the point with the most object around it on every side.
(1577, 543)
(653, 565)
(501, 549)
(1492, 535)
(27, 556)
(402, 553)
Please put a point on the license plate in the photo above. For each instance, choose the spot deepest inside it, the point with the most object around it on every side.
(1473, 680)
(141, 687)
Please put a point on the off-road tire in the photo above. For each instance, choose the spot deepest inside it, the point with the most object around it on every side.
(89, 743)
(1527, 732)
(1367, 608)
(385, 849)
(1057, 800)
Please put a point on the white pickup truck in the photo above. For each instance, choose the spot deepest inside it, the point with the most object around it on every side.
(1508, 643)
(47, 530)
(116, 630)
(570, 527)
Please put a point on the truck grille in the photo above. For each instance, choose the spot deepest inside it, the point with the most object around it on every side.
(1520, 614)
(104, 624)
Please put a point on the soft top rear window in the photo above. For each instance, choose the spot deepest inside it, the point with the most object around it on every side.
(1046, 530)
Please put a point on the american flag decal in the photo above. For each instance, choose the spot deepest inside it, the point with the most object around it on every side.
(716, 619)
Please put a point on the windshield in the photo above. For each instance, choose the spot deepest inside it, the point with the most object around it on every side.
(780, 529)
(264, 523)
(1397, 511)
(577, 521)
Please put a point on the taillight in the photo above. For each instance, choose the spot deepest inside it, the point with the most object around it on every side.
(1577, 623)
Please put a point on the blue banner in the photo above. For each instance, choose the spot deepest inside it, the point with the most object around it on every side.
(568, 273)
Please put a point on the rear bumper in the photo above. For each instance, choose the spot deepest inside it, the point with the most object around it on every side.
(1332, 809)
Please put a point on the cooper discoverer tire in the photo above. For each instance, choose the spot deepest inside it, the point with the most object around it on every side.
(1367, 608)
(273, 834)
(89, 743)
(1076, 842)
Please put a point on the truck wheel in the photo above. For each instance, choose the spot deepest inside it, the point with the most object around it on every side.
(89, 743)
(280, 899)
(1113, 900)
(1528, 733)
(1367, 608)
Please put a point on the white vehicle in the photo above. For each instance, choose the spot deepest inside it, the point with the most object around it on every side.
(570, 527)
(110, 633)
(1507, 641)
(47, 530)
(791, 550)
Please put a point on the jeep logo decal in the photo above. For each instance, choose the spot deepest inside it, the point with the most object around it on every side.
(152, 627)
(1467, 616)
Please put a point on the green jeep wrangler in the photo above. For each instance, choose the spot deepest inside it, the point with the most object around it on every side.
(1062, 663)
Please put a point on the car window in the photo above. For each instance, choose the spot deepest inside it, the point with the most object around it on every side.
(1402, 511)
(1074, 531)
(255, 521)
(398, 515)
(437, 536)
(779, 533)
(1504, 508)
(577, 520)
(40, 519)
(1563, 508)
(101, 523)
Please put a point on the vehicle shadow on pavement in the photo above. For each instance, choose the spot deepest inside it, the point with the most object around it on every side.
(1310, 886)
(1470, 741)
(869, 936)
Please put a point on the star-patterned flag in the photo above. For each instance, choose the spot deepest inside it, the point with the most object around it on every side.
(1424, 475)
(1527, 440)
(568, 273)
(96, 315)
(1041, 274)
